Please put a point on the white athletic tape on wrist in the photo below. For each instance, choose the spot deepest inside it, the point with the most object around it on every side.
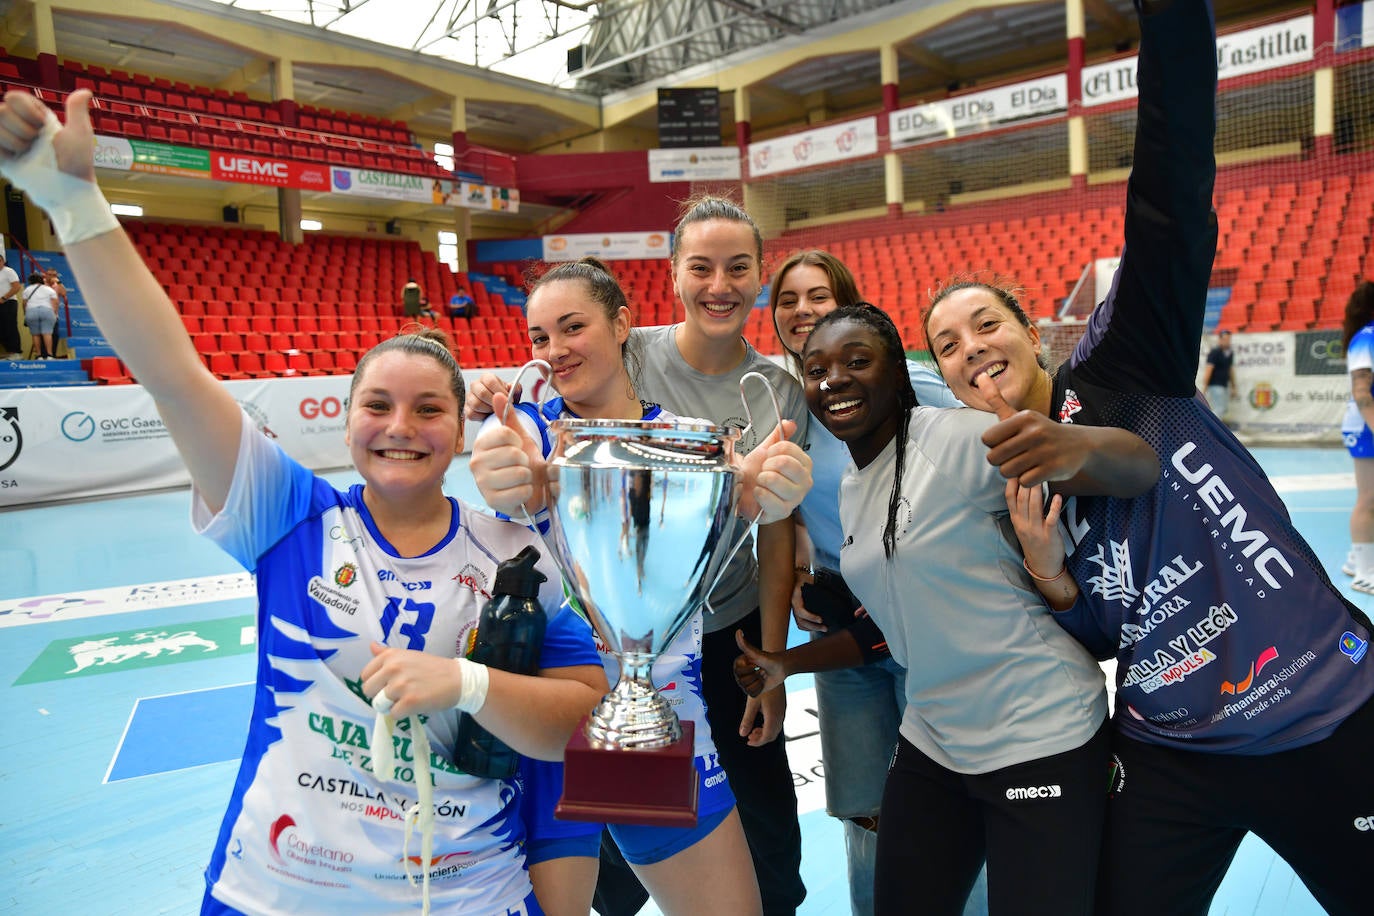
(76, 207)
(476, 681)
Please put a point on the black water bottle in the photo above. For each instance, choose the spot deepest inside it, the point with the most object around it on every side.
(510, 633)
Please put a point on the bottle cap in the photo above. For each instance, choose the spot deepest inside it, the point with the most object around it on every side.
(518, 577)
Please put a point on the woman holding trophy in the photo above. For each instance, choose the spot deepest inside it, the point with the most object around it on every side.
(695, 368)
(343, 645)
(579, 323)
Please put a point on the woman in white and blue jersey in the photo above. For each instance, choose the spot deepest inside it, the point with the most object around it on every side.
(1357, 339)
(366, 597)
(579, 323)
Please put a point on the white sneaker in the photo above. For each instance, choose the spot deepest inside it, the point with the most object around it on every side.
(1364, 584)
(1348, 567)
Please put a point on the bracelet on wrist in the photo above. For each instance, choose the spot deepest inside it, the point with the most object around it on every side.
(1038, 578)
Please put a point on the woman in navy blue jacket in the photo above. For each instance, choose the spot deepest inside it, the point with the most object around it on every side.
(1243, 678)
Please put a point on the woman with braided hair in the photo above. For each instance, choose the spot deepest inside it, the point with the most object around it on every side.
(1003, 741)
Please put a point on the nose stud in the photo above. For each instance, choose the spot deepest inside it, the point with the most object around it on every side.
(825, 384)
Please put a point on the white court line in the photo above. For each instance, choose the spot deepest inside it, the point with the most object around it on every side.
(101, 602)
(1306, 483)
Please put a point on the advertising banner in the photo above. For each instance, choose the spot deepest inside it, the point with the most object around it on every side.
(609, 246)
(124, 155)
(420, 189)
(703, 164)
(979, 111)
(1265, 47)
(1289, 387)
(245, 169)
(1320, 353)
(64, 443)
(833, 143)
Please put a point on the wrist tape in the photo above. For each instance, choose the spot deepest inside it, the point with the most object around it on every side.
(476, 680)
(76, 207)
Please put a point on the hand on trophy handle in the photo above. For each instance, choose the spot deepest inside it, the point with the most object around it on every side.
(757, 671)
(508, 466)
(481, 393)
(776, 476)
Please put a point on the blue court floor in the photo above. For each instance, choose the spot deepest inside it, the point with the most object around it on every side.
(127, 655)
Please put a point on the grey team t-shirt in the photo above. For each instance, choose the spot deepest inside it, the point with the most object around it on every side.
(665, 378)
(992, 680)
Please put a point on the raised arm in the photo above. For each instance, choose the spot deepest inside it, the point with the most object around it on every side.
(56, 168)
(1145, 336)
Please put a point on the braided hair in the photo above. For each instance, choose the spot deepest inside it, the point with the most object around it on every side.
(876, 320)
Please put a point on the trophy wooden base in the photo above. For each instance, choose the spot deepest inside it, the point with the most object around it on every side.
(654, 788)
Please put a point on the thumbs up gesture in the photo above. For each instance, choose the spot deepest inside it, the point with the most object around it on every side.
(757, 671)
(507, 465)
(776, 475)
(1026, 445)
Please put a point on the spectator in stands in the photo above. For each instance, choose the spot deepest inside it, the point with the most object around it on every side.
(860, 708)
(11, 344)
(40, 314)
(1239, 666)
(579, 322)
(694, 369)
(343, 650)
(414, 304)
(51, 278)
(461, 304)
(1357, 338)
(1221, 379)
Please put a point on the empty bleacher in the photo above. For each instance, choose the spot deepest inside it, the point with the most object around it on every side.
(255, 306)
(161, 110)
(1291, 253)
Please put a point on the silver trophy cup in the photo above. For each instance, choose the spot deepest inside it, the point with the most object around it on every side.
(641, 513)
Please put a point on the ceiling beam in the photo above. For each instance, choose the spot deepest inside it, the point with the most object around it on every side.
(247, 75)
(928, 59)
(420, 107)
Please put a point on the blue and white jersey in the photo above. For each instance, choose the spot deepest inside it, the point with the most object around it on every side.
(1228, 636)
(310, 827)
(1359, 355)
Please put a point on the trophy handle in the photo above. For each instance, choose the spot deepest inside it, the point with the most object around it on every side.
(546, 371)
(748, 412)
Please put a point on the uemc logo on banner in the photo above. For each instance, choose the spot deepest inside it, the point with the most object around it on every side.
(1320, 353)
(108, 652)
(246, 168)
